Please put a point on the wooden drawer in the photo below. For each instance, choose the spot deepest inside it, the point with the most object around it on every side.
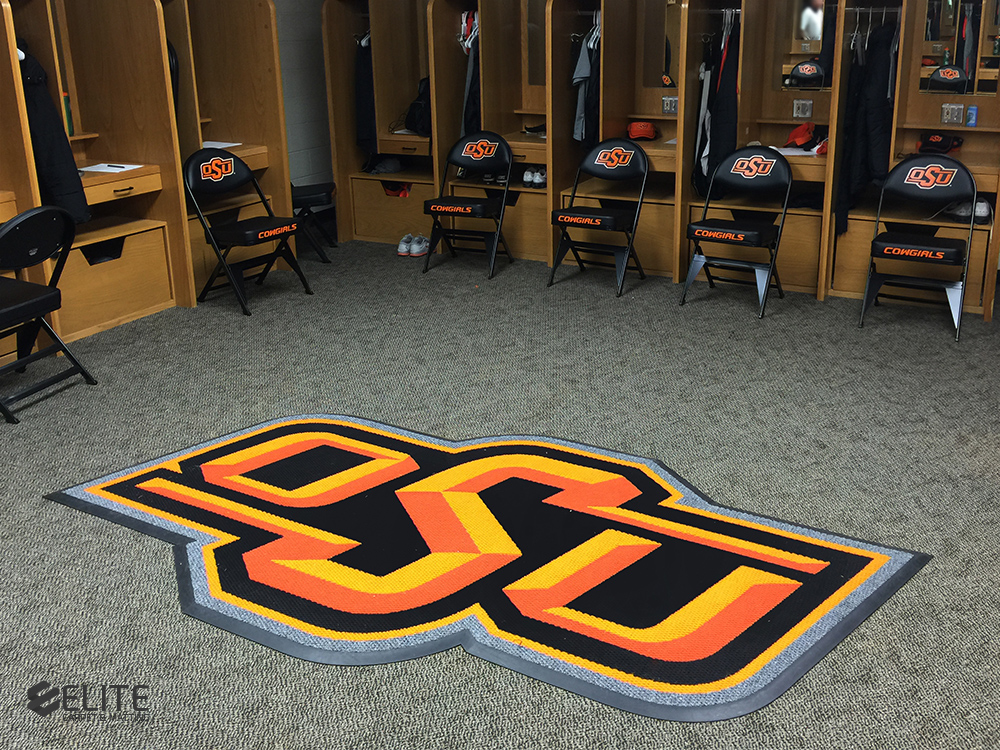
(124, 188)
(798, 254)
(528, 153)
(853, 252)
(407, 145)
(653, 242)
(8, 210)
(98, 297)
(527, 226)
(384, 218)
(203, 258)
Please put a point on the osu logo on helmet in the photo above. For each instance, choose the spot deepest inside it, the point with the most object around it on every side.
(808, 69)
(614, 158)
(950, 73)
(356, 542)
(480, 149)
(931, 176)
(216, 169)
(936, 139)
(754, 166)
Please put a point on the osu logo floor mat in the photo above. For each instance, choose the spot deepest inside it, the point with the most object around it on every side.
(349, 542)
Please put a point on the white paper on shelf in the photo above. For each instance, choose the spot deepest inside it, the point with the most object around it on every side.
(793, 151)
(404, 131)
(219, 144)
(112, 168)
(672, 142)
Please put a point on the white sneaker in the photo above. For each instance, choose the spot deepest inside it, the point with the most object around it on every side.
(529, 177)
(405, 246)
(539, 180)
(420, 247)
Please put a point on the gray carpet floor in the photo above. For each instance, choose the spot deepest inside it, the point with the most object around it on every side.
(890, 434)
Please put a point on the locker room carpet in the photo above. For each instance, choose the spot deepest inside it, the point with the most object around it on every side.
(890, 433)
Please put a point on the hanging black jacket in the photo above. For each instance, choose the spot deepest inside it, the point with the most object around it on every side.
(58, 180)
(364, 90)
(867, 132)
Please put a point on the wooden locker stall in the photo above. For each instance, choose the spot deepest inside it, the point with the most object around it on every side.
(918, 111)
(372, 206)
(110, 62)
(634, 39)
(230, 95)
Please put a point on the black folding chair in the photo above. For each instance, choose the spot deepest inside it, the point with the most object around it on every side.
(925, 182)
(304, 199)
(949, 79)
(479, 153)
(764, 175)
(614, 159)
(27, 240)
(211, 172)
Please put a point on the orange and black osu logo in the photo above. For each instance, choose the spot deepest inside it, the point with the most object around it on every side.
(950, 74)
(614, 157)
(217, 169)
(345, 541)
(754, 166)
(936, 139)
(482, 149)
(808, 69)
(931, 176)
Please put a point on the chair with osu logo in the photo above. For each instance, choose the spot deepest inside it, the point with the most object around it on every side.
(480, 153)
(212, 172)
(913, 190)
(950, 79)
(619, 160)
(754, 176)
(27, 240)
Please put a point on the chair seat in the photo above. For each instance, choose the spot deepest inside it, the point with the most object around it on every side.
(920, 247)
(21, 301)
(473, 208)
(319, 194)
(749, 233)
(254, 231)
(595, 217)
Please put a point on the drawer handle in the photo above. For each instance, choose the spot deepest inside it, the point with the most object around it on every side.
(128, 189)
(519, 157)
(409, 148)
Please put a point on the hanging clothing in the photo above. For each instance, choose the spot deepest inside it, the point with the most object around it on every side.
(867, 134)
(587, 81)
(364, 92)
(58, 179)
(719, 108)
(581, 74)
(472, 110)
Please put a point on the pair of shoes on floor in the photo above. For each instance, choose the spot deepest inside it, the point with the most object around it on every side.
(534, 177)
(499, 179)
(413, 247)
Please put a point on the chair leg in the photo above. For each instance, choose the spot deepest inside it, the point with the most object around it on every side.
(564, 246)
(285, 252)
(437, 233)
(698, 261)
(90, 380)
(870, 294)
(506, 248)
(634, 255)
(27, 335)
(491, 251)
(7, 414)
(236, 282)
(621, 266)
(305, 224)
(777, 281)
(314, 221)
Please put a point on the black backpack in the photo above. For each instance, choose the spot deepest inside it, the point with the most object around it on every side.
(418, 116)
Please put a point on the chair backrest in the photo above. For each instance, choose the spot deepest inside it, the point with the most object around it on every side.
(930, 179)
(484, 151)
(616, 159)
(212, 171)
(34, 236)
(950, 78)
(756, 169)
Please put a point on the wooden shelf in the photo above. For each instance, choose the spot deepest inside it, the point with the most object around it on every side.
(652, 115)
(84, 137)
(228, 203)
(530, 111)
(407, 175)
(515, 185)
(110, 227)
(102, 187)
(606, 189)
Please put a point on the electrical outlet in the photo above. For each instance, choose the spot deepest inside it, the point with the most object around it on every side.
(937, 49)
(953, 114)
(670, 105)
(802, 108)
